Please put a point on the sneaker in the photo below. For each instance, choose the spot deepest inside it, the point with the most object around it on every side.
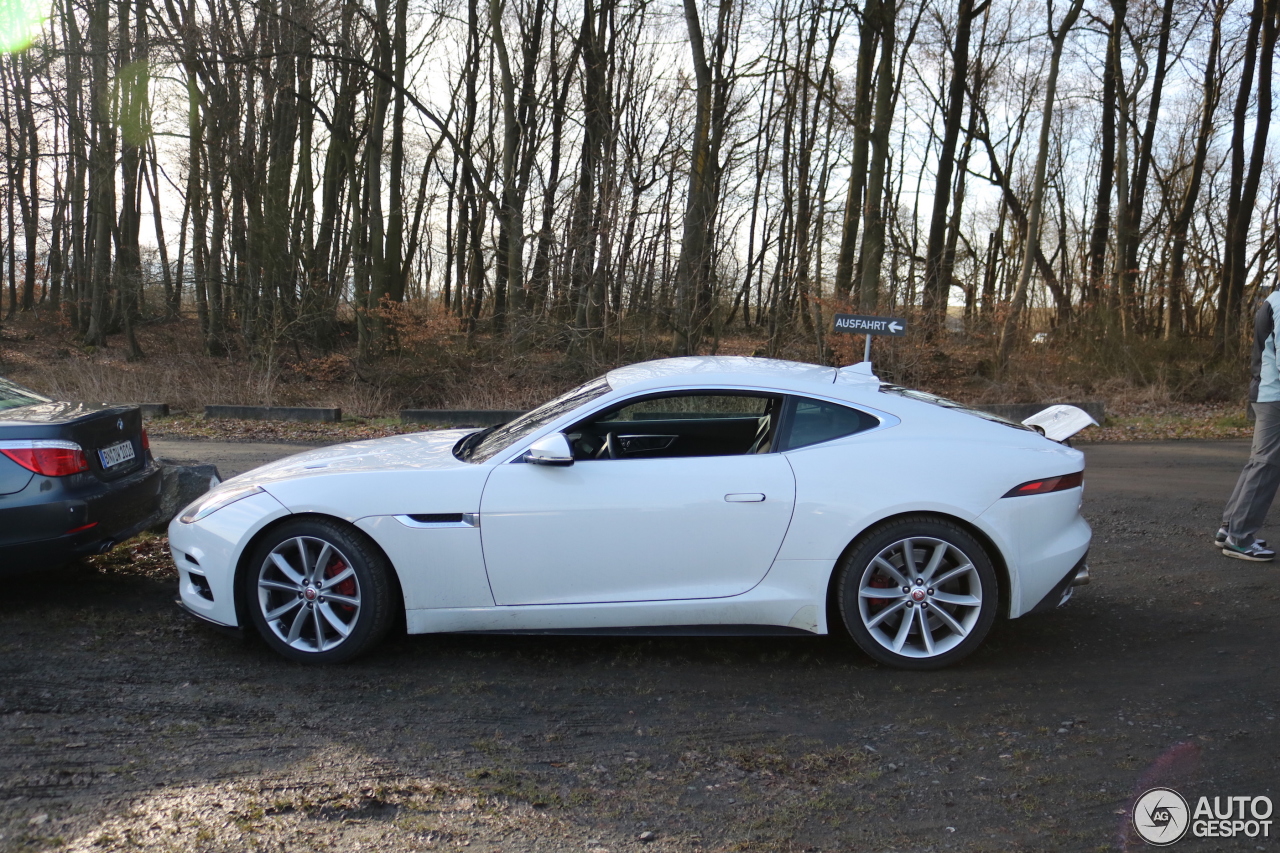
(1220, 538)
(1255, 551)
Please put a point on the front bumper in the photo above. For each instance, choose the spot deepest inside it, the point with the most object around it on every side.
(229, 630)
(208, 552)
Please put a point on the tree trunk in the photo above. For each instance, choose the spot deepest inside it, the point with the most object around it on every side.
(370, 325)
(693, 269)
(1146, 153)
(868, 40)
(1122, 290)
(101, 183)
(1101, 230)
(29, 200)
(1210, 92)
(132, 96)
(872, 250)
(509, 272)
(1244, 187)
(1032, 241)
(937, 274)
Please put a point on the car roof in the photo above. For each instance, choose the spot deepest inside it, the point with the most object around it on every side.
(735, 370)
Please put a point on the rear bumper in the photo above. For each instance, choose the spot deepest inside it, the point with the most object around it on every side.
(1043, 539)
(1061, 592)
(100, 516)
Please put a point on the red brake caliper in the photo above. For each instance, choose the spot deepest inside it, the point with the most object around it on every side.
(347, 587)
(879, 582)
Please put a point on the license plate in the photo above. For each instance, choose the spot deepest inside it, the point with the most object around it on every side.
(116, 454)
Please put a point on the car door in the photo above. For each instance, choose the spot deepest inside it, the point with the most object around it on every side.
(653, 523)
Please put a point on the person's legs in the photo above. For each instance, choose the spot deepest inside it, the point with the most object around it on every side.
(1256, 488)
(1235, 496)
(1239, 487)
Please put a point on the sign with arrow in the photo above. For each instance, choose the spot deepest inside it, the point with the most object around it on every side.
(855, 324)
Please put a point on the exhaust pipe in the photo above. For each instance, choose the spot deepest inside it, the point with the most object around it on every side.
(1082, 577)
(106, 545)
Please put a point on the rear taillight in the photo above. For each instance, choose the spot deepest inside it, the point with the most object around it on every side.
(1048, 484)
(50, 458)
(146, 442)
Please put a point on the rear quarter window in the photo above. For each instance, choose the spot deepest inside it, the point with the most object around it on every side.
(815, 421)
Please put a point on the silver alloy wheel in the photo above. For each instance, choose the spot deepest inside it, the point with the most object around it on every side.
(309, 594)
(920, 597)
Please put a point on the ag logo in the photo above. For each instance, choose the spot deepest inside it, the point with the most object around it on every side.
(1161, 816)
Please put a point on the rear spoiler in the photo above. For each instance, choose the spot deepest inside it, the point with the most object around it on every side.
(1058, 423)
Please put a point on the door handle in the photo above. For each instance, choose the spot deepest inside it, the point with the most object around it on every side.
(745, 498)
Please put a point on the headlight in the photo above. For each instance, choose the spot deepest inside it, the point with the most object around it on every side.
(216, 500)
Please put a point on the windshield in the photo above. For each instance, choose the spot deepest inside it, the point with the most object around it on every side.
(925, 397)
(484, 445)
(12, 395)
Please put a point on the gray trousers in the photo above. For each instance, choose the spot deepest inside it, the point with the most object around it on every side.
(1247, 508)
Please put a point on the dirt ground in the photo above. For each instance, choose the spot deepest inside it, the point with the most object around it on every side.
(123, 726)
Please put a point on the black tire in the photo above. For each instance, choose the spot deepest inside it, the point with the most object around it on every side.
(947, 620)
(318, 612)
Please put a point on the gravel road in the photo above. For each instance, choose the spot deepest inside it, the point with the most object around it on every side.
(125, 727)
(230, 457)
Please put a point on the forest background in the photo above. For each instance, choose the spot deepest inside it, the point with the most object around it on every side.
(477, 203)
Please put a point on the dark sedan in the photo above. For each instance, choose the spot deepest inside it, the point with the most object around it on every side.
(75, 478)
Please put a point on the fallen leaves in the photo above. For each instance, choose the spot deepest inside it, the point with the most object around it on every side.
(1172, 423)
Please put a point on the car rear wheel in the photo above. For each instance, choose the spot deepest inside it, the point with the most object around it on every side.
(318, 592)
(918, 593)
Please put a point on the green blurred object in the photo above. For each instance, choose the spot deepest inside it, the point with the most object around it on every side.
(20, 23)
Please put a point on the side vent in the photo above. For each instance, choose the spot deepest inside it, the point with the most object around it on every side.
(440, 519)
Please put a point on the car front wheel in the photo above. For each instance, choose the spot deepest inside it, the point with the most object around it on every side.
(318, 592)
(918, 593)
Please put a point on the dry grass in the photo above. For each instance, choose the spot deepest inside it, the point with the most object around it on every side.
(437, 366)
(44, 355)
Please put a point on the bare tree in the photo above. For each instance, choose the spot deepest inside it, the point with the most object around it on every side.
(1057, 40)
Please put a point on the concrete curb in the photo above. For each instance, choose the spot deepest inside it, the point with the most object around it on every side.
(274, 413)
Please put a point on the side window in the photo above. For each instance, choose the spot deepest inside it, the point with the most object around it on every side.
(816, 421)
(691, 407)
(699, 424)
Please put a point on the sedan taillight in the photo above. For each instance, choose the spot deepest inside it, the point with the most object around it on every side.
(50, 458)
(1048, 484)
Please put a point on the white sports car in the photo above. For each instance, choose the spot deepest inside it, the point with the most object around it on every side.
(719, 495)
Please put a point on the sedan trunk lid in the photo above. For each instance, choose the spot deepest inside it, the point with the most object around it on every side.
(110, 436)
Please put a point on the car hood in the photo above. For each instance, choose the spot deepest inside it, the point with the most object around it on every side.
(415, 452)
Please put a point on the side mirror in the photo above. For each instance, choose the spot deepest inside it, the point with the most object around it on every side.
(550, 450)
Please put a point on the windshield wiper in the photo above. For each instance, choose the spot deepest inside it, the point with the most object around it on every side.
(467, 446)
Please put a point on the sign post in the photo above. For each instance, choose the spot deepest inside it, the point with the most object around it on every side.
(857, 324)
